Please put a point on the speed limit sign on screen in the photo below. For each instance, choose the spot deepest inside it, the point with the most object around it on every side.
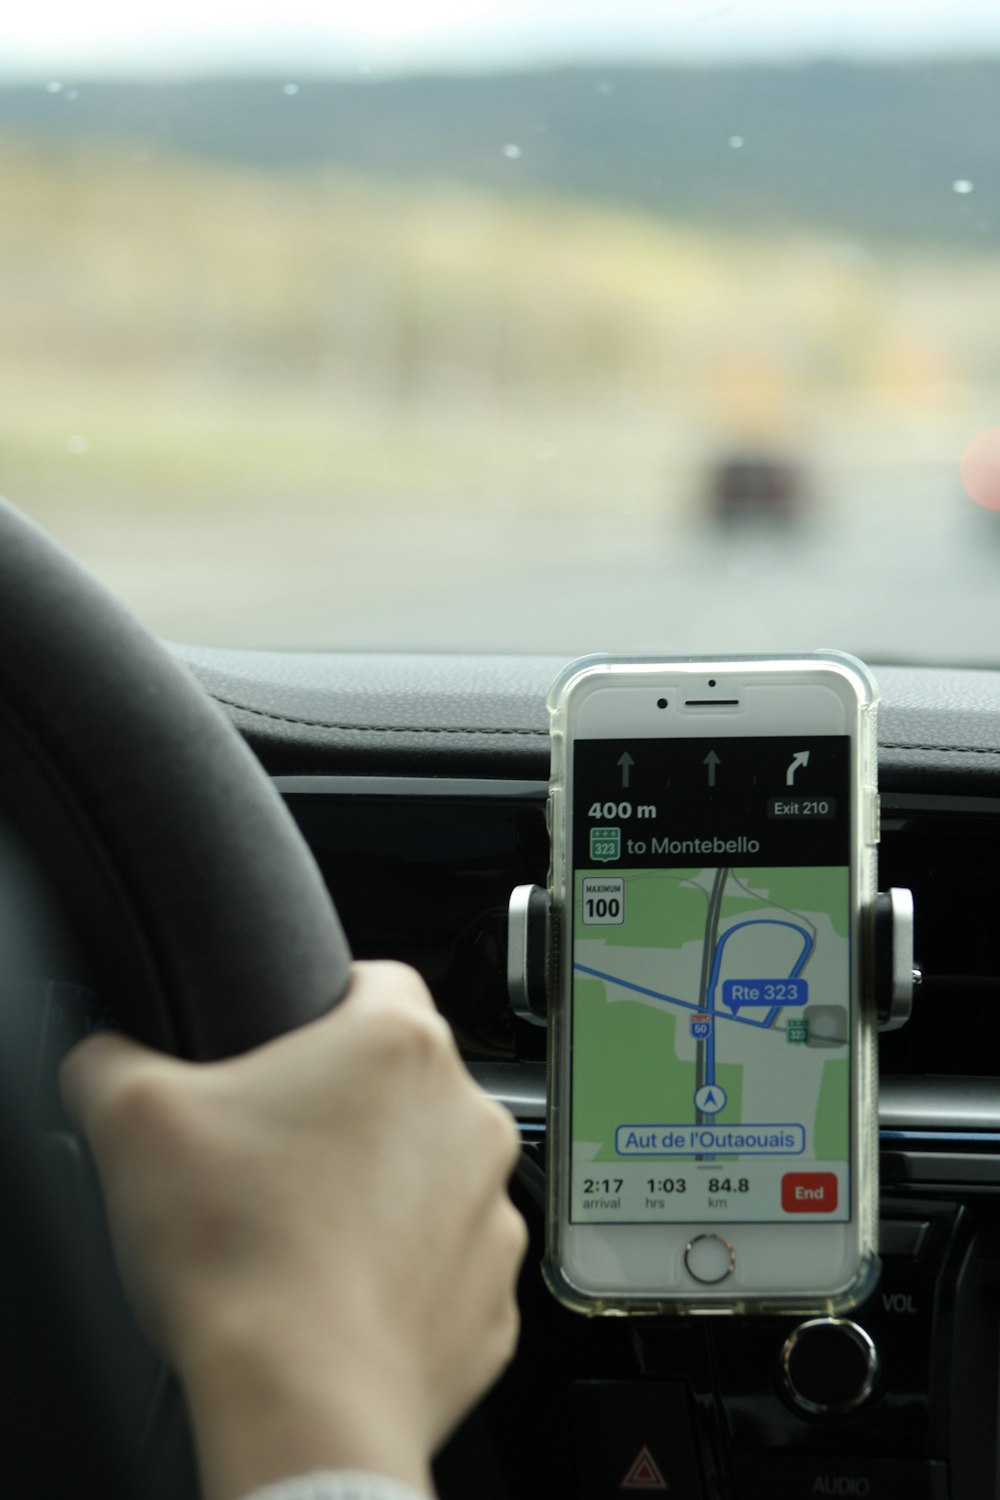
(602, 901)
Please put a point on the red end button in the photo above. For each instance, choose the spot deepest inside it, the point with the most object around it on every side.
(809, 1192)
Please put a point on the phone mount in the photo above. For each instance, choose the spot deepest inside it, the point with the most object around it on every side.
(529, 946)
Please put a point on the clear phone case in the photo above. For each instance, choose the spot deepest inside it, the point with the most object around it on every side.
(864, 1075)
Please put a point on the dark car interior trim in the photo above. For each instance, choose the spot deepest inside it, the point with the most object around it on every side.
(400, 741)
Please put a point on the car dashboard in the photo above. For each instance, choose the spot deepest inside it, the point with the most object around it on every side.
(419, 784)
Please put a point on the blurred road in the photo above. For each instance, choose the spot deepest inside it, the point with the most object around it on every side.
(900, 566)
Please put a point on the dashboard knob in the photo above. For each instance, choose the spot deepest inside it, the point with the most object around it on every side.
(829, 1366)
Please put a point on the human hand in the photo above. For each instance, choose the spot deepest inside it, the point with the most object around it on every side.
(316, 1234)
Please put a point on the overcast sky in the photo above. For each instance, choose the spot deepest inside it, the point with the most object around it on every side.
(75, 37)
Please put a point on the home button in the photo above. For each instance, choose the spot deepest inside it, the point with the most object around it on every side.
(709, 1259)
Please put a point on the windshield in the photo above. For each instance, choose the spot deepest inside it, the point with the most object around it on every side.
(662, 327)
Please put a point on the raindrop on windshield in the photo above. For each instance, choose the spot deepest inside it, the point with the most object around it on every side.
(71, 94)
(78, 444)
(290, 88)
(604, 87)
(962, 185)
(53, 88)
(511, 151)
(736, 141)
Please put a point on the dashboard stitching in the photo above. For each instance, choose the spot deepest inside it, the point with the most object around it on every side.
(947, 749)
(262, 713)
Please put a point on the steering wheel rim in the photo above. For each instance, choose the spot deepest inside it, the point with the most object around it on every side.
(239, 935)
(139, 796)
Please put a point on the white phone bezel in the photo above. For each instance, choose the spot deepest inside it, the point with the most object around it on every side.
(811, 1263)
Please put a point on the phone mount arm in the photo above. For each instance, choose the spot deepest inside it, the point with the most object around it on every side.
(529, 949)
(895, 975)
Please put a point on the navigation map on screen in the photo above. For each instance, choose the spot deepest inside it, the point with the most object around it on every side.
(711, 987)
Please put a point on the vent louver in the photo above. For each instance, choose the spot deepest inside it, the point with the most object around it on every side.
(947, 851)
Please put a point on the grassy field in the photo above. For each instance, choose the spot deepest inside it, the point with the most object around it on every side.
(380, 385)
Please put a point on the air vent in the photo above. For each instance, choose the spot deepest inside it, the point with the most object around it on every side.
(947, 851)
(422, 870)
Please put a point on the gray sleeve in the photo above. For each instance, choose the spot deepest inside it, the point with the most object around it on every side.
(341, 1485)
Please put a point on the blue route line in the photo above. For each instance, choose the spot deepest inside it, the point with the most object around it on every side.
(808, 943)
(640, 988)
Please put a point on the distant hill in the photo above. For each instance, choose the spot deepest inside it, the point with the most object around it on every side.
(858, 150)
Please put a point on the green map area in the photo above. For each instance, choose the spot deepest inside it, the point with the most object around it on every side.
(642, 982)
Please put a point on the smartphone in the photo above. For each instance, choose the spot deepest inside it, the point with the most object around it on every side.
(712, 1110)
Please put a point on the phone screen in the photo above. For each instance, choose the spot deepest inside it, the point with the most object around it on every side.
(711, 992)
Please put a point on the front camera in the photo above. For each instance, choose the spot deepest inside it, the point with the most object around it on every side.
(661, 703)
(711, 682)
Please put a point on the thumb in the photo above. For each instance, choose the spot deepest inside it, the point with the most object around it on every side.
(95, 1073)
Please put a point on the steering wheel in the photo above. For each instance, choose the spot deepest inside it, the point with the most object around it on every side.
(209, 926)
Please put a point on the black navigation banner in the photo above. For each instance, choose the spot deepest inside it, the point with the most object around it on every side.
(655, 803)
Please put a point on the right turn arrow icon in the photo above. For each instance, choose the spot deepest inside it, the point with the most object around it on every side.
(800, 758)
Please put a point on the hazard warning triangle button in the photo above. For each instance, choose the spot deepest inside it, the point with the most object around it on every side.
(644, 1474)
(633, 1438)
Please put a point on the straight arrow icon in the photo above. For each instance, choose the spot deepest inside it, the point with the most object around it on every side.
(626, 762)
(711, 761)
